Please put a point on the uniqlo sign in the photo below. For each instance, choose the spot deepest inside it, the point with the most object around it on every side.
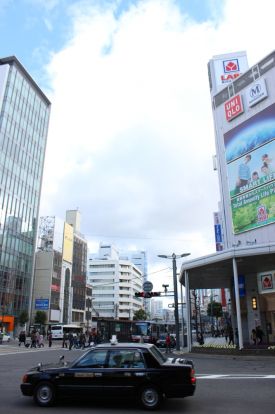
(233, 107)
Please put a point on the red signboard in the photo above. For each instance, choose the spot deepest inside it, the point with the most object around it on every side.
(233, 107)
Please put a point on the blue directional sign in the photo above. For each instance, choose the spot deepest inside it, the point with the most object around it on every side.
(42, 304)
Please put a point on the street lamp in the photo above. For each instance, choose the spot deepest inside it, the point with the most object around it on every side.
(174, 257)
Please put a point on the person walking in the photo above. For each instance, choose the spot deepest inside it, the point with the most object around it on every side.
(168, 343)
(50, 339)
(226, 333)
(33, 339)
(230, 336)
(71, 340)
(65, 341)
(254, 336)
(40, 341)
(259, 334)
(22, 338)
(82, 340)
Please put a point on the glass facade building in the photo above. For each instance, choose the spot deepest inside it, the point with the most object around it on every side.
(24, 119)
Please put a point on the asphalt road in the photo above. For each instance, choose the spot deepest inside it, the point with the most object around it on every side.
(236, 385)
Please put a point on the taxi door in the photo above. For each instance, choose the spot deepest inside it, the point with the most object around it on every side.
(85, 377)
(125, 372)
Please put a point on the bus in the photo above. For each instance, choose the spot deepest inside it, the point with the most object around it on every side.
(59, 330)
(150, 331)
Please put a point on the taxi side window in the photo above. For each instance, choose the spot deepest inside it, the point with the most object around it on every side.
(125, 359)
(95, 359)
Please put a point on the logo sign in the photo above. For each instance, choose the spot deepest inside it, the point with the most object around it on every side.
(256, 93)
(262, 213)
(147, 286)
(233, 107)
(231, 66)
(267, 282)
(231, 69)
(42, 304)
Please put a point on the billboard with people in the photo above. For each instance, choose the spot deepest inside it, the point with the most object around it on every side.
(250, 158)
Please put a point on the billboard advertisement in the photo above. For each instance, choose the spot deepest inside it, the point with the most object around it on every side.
(250, 158)
(68, 243)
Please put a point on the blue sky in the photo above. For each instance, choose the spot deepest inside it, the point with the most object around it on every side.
(131, 135)
(34, 29)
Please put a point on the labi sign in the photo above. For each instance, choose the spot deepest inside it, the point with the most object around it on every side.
(233, 107)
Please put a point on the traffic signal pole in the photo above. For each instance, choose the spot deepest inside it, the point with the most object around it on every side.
(176, 302)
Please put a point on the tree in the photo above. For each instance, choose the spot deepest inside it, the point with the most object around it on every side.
(40, 317)
(140, 315)
(214, 309)
(23, 318)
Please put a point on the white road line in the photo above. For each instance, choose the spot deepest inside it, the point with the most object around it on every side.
(234, 376)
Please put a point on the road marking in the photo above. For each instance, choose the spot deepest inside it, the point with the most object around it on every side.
(8, 350)
(234, 376)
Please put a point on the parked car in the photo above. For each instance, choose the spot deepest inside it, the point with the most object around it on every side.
(133, 370)
(4, 337)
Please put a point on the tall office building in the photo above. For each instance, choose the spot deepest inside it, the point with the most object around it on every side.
(114, 281)
(24, 119)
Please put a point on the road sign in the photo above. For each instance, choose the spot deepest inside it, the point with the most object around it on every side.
(42, 304)
(147, 286)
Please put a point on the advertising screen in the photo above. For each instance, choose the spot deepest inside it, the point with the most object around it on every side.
(250, 157)
(68, 243)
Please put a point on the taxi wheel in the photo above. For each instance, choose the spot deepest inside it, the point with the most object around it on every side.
(44, 394)
(150, 397)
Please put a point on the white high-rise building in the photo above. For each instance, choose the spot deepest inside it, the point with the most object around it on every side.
(114, 282)
(139, 259)
(156, 309)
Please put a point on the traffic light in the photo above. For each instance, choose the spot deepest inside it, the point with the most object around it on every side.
(139, 294)
(146, 295)
(254, 303)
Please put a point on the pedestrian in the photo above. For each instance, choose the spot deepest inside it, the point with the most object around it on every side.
(33, 339)
(71, 340)
(254, 336)
(50, 339)
(22, 338)
(226, 333)
(237, 336)
(65, 341)
(259, 334)
(200, 338)
(168, 343)
(82, 340)
(40, 341)
(230, 336)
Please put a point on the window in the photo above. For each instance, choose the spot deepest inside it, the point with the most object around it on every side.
(125, 359)
(94, 359)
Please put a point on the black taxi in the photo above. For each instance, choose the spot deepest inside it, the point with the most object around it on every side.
(111, 370)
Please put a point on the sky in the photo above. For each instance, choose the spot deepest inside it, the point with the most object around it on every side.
(131, 135)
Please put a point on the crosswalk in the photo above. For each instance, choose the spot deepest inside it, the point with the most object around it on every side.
(10, 349)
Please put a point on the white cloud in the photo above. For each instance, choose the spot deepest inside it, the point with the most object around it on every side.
(131, 136)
